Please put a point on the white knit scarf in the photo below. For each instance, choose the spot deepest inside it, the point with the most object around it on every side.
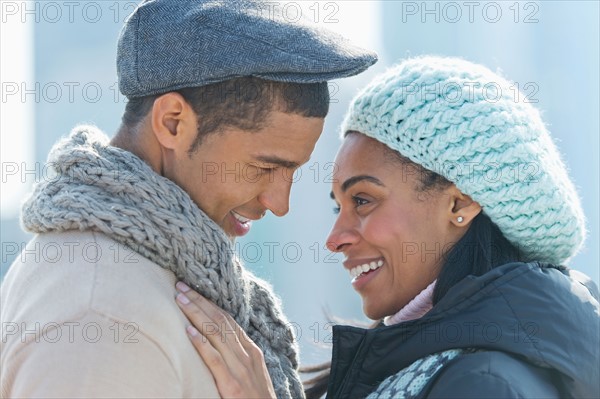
(109, 190)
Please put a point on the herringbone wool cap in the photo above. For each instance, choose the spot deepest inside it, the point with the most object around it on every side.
(167, 45)
(469, 125)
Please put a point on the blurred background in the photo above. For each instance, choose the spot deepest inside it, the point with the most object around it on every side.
(58, 70)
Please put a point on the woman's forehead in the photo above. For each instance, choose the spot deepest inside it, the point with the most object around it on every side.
(361, 155)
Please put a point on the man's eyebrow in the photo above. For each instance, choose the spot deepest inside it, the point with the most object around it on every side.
(357, 179)
(271, 159)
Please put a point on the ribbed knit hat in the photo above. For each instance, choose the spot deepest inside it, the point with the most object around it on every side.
(469, 125)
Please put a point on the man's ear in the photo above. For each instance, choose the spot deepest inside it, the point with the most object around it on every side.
(462, 209)
(173, 121)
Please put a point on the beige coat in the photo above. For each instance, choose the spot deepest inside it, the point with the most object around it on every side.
(83, 316)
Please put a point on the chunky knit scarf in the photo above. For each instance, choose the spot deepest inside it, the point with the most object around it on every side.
(102, 188)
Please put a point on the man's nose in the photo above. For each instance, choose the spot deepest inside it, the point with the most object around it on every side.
(276, 196)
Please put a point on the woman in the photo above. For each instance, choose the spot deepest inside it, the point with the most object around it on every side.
(455, 216)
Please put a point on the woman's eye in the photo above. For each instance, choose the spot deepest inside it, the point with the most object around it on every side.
(358, 201)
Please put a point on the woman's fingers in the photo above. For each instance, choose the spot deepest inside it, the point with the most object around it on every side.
(212, 358)
(211, 322)
(227, 383)
(235, 361)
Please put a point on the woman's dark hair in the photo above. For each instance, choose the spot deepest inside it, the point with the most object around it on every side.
(482, 248)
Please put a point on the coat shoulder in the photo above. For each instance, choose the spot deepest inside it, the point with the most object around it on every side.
(85, 302)
(66, 275)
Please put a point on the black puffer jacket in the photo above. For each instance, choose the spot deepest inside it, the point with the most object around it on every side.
(537, 329)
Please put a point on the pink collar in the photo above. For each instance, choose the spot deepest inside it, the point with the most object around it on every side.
(415, 309)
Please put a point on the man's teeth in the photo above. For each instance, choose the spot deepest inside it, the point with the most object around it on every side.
(240, 218)
(360, 269)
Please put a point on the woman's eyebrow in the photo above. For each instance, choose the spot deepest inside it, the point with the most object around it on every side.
(357, 179)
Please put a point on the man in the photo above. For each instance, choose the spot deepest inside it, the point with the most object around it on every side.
(226, 100)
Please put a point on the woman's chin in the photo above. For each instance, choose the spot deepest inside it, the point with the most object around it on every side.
(374, 312)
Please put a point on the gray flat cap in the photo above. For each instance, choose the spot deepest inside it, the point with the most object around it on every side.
(171, 44)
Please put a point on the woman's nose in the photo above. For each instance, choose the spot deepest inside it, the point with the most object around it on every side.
(342, 235)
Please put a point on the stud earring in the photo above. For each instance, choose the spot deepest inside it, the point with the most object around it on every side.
(460, 219)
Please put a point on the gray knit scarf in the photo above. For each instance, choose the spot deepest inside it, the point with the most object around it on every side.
(108, 190)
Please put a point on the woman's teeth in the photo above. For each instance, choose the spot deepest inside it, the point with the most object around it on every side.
(360, 269)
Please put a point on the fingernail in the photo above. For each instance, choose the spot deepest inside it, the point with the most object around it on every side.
(192, 331)
(181, 286)
(182, 299)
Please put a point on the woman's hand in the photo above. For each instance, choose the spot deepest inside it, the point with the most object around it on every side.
(235, 361)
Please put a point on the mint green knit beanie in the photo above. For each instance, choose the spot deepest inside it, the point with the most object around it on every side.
(473, 127)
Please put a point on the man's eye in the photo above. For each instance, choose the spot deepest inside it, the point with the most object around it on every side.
(336, 209)
(267, 169)
(263, 171)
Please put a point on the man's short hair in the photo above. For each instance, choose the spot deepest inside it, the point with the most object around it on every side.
(243, 103)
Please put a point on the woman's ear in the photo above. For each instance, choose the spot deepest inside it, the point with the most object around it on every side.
(462, 209)
(173, 122)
